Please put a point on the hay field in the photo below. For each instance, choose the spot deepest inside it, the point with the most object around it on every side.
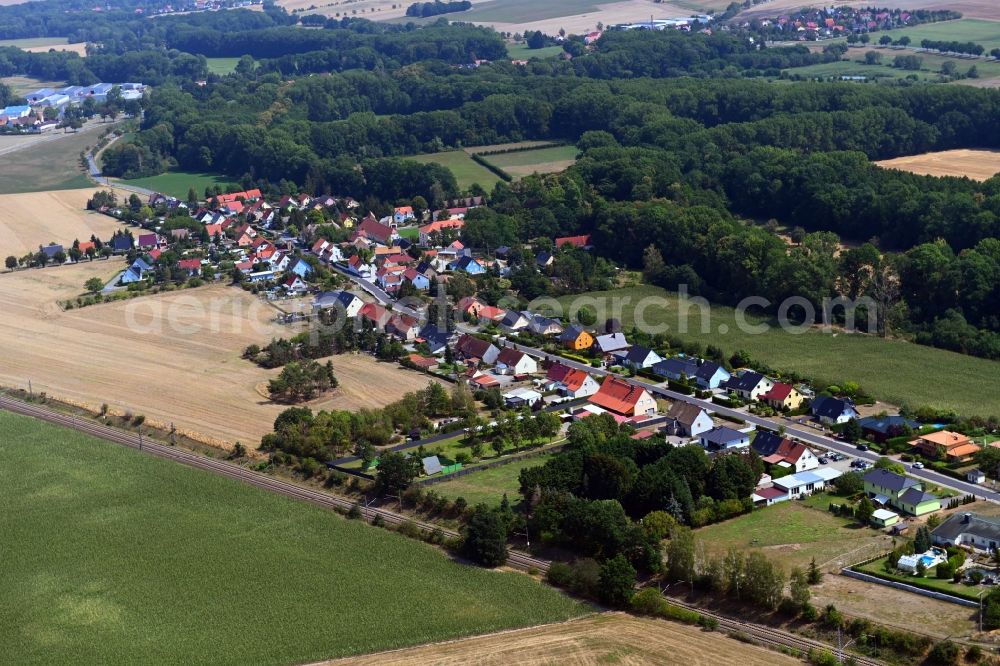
(173, 357)
(610, 638)
(49, 161)
(542, 160)
(45, 44)
(575, 16)
(974, 164)
(38, 218)
(25, 84)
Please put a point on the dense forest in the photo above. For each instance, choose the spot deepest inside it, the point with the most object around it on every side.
(687, 161)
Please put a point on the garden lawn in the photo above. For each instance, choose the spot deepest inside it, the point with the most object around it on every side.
(489, 485)
(122, 558)
(177, 183)
(789, 533)
(894, 371)
(877, 568)
(466, 171)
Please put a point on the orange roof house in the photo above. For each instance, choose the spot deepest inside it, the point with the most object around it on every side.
(954, 446)
(621, 397)
(575, 241)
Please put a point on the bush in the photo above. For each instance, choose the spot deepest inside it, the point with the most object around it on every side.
(809, 613)
(646, 602)
(974, 654)
(822, 658)
(944, 653)
(708, 623)
(561, 574)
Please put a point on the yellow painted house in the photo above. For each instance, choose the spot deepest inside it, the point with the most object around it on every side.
(783, 396)
(576, 339)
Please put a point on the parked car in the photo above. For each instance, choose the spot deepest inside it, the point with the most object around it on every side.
(824, 461)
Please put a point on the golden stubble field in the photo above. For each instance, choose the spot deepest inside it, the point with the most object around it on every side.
(174, 357)
(609, 638)
(31, 219)
(975, 164)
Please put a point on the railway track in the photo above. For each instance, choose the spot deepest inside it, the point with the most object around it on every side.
(773, 637)
(515, 558)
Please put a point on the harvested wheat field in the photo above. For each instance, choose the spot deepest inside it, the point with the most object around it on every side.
(974, 164)
(38, 218)
(610, 638)
(174, 357)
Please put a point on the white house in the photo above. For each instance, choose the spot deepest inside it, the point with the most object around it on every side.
(513, 362)
(687, 420)
(749, 385)
(339, 299)
(981, 533)
(806, 483)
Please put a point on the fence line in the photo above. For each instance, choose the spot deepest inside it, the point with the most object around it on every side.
(940, 596)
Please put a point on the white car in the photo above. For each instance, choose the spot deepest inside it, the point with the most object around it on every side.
(917, 465)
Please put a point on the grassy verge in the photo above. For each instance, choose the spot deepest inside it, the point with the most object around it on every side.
(892, 370)
(123, 559)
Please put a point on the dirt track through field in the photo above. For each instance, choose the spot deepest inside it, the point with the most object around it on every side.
(610, 638)
(975, 164)
(38, 218)
(173, 357)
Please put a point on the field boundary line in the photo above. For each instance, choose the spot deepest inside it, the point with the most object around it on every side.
(462, 639)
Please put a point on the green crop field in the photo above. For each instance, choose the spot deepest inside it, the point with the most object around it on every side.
(489, 485)
(177, 183)
(465, 169)
(790, 532)
(522, 52)
(114, 557)
(893, 370)
(222, 65)
(543, 160)
(526, 11)
(986, 33)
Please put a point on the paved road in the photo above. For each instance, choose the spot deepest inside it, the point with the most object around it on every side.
(378, 293)
(94, 172)
(804, 433)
